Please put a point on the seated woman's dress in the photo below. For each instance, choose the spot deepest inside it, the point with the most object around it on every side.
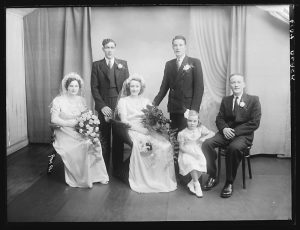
(192, 158)
(83, 164)
(149, 171)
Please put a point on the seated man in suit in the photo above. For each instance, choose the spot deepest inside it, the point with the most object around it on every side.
(238, 118)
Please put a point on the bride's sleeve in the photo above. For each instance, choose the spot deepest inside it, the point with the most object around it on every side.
(122, 111)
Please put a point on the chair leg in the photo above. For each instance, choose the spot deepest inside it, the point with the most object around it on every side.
(249, 167)
(243, 171)
(219, 165)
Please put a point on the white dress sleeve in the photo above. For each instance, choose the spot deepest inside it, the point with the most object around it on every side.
(204, 131)
(122, 111)
(55, 107)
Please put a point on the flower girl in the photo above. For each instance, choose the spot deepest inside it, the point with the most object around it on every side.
(191, 158)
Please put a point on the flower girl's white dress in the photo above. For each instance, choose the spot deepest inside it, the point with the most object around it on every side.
(193, 157)
(151, 171)
(81, 162)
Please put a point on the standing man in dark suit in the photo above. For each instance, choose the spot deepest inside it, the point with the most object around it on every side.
(184, 78)
(107, 79)
(238, 118)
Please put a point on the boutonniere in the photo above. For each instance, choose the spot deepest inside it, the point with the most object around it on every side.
(119, 65)
(242, 104)
(187, 67)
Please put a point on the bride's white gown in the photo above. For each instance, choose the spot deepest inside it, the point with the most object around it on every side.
(82, 167)
(148, 171)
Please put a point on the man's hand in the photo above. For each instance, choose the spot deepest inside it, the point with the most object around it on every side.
(186, 113)
(106, 111)
(228, 133)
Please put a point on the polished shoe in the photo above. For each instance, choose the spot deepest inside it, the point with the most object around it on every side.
(227, 191)
(190, 185)
(210, 183)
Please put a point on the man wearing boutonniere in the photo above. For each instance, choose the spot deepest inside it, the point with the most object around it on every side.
(183, 78)
(107, 79)
(238, 118)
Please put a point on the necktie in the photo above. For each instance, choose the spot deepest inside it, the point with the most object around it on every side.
(235, 106)
(109, 63)
(178, 63)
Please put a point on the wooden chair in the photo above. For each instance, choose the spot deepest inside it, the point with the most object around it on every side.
(246, 155)
(52, 155)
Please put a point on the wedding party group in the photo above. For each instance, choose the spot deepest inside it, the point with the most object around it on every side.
(165, 153)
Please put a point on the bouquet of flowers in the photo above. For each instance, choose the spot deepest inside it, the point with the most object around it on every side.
(88, 127)
(154, 120)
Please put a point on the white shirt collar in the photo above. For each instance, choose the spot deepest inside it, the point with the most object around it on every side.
(180, 59)
(112, 60)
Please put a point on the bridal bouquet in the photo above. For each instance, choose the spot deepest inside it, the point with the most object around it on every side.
(154, 120)
(88, 127)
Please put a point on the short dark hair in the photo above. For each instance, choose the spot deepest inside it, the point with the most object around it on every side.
(234, 74)
(108, 40)
(69, 80)
(179, 37)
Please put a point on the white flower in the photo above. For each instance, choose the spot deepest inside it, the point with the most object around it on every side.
(81, 124)
(96, 129)
(91, 122)
(120, 66)
(87, 126)
(242, 104)
(93, 134)
(80, 130)
(187, 67)
(94, 117)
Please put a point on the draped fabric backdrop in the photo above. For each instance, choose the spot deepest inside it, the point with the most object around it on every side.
(209, 41)
(236, 56)
(226, 39)
(57, 41)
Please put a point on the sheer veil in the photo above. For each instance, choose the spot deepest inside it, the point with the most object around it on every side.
(63, 90)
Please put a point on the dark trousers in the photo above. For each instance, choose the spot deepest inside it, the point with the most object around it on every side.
(105, 132)
(233, 157)
(178, 121)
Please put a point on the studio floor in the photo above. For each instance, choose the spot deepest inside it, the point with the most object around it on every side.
(34, 196)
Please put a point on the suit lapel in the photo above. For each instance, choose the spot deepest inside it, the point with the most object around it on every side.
(244, 99)
(104, 68)
(117, 72)
(180, 72)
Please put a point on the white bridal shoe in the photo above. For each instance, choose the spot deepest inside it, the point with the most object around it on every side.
(198, 190)
(190, 185)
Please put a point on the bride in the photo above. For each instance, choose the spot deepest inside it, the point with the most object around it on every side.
(149, 171)
(83, 163)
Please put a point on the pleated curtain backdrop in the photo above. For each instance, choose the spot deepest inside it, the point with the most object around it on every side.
(218, 37)
(210, 42)
(56, 41)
